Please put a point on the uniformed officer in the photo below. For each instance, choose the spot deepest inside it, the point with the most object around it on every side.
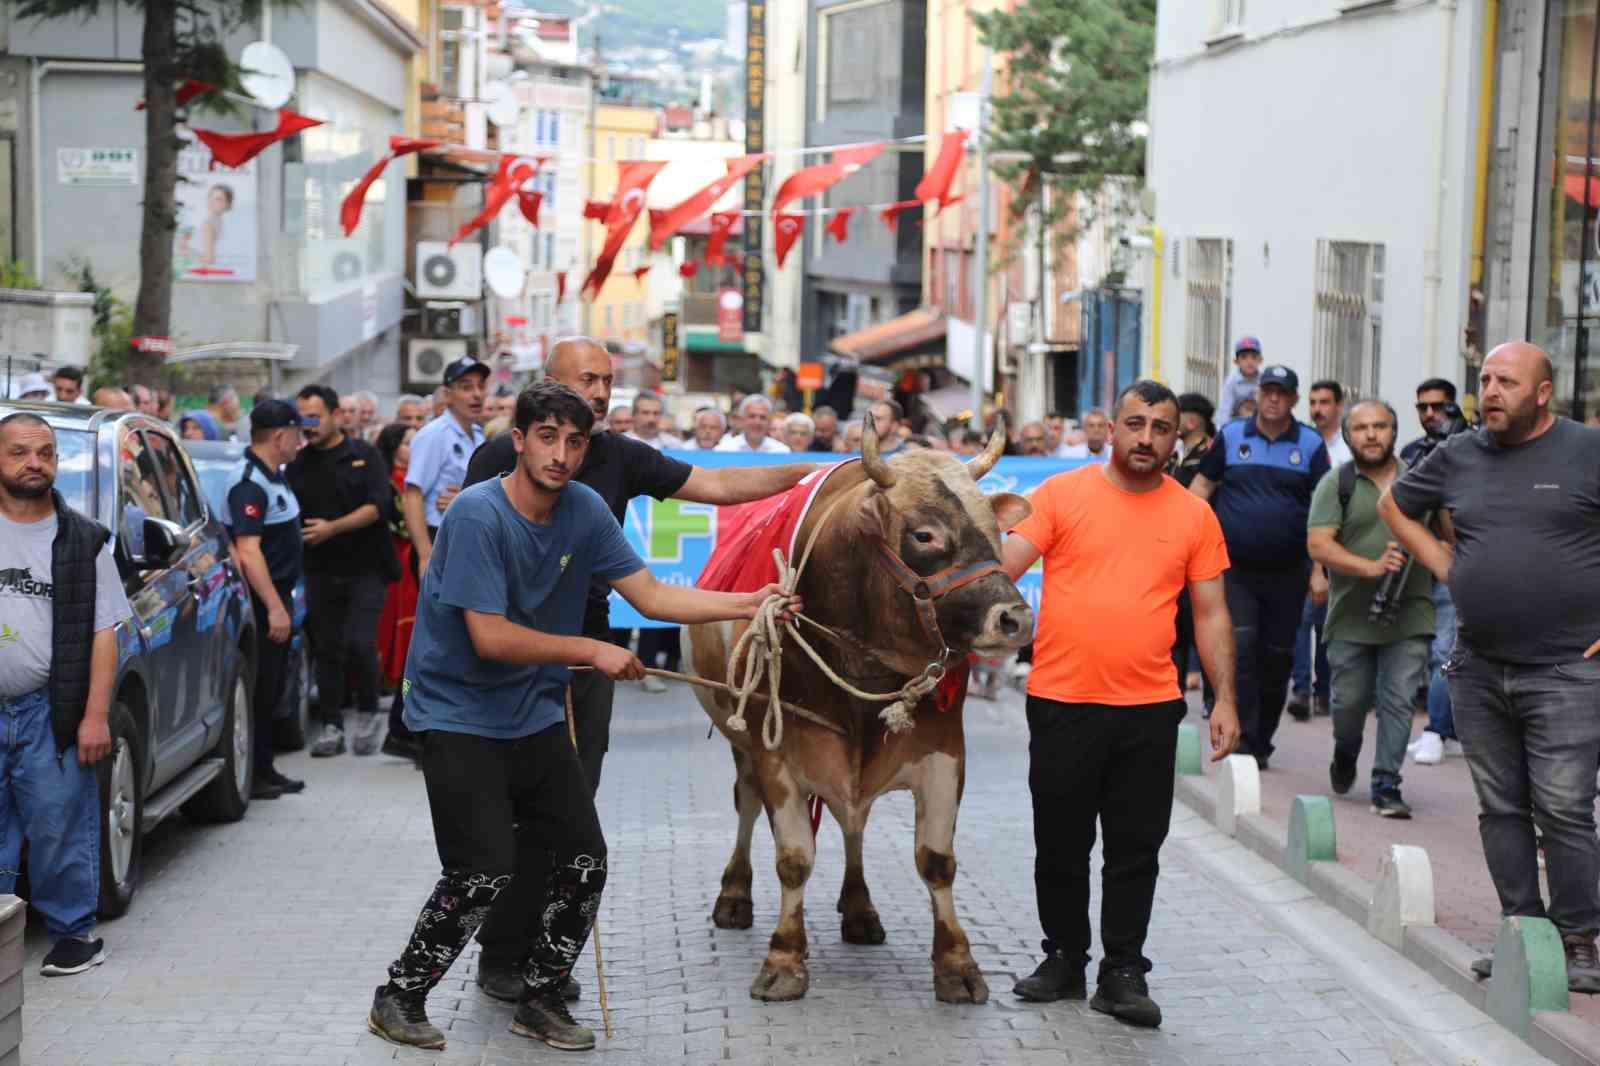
(1259, 475)
(265, 519)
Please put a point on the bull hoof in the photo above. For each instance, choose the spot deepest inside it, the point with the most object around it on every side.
(861, 927)
(780, 982)
(732, 913)
(962, 984)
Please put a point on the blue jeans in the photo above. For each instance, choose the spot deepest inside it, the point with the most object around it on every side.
(1384, 677)
(1532, 738)
(53, 803)
(1440, 720)
(1300, 680)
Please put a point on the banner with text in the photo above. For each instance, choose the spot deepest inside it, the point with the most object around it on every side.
(675, 538)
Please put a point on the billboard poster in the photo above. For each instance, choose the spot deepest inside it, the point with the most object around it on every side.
(217, 215)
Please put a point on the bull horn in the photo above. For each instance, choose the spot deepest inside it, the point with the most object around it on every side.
(979, 465)
(877, 469)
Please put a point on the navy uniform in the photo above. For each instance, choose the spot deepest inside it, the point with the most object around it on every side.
(1263, 495)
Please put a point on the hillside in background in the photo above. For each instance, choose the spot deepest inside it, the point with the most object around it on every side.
(644, 23)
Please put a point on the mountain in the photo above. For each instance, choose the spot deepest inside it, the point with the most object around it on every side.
(643, 23)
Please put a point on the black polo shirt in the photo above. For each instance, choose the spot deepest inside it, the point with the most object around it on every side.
(618, 468)
(261, 504)
(330, 484)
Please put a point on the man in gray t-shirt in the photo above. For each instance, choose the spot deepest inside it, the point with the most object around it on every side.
(60, 602)
(1523, 499)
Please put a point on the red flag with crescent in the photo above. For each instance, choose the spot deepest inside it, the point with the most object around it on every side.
(350, 209)
(596, 209)
(721, 225)
(561, 285)
(627, 203)
(787, 229)
(839, 224)
(508, 177)
(677, 217)
(891, 214)
(529, 200)
(688, 268)
(935, 184)
(808, 181)
(186, 92)
(237, 149)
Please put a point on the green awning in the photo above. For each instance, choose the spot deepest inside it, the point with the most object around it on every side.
(705, 339)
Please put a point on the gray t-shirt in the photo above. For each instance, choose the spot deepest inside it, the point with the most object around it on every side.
(26, 606)
(1526, 576)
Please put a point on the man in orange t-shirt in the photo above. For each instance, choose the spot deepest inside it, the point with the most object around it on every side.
(1120, 541)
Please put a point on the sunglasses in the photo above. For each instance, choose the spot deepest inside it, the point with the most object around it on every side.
(1424, 408)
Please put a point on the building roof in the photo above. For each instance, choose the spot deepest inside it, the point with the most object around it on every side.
(884, 341)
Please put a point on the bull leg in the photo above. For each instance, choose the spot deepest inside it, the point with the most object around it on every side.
(734, 909)
(783, 974)
(860, 924)
(956, 977)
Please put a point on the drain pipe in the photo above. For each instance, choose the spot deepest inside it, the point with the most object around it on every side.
(1432, 268)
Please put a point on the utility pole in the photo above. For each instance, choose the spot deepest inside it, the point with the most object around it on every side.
(980, 294)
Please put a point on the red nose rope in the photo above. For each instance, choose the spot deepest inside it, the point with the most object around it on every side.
(951, 691)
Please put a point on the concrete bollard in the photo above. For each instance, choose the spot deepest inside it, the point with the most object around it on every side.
(1311, 836)
(1238, 791)
(1188, 750)
(1530, 973)
(13, 920)
(1403, 895)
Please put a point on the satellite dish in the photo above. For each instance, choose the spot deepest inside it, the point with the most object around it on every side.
(503, 109)
(504, 272)
(267, 74)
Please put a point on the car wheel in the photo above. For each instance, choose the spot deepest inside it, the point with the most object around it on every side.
(227, 797)
(289, 732)
(121, 815)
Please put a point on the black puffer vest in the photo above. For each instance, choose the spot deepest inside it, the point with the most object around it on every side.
(72, 555)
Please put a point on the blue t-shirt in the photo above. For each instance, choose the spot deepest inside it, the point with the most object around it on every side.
(488, 558)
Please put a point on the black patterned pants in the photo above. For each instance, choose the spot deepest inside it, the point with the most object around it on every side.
(491, 801)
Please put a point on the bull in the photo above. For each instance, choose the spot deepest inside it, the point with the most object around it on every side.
(904, 575)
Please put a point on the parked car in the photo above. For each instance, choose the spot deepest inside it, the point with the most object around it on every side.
(217, 463)
(180, 712)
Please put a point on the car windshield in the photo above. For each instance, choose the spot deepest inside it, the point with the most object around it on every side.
(75, 469)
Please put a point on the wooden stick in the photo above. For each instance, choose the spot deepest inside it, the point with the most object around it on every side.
(594, 933)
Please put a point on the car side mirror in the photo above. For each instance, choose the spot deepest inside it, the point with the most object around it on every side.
(164, 543)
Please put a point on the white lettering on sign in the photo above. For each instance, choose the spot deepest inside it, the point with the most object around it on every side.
(97, 166)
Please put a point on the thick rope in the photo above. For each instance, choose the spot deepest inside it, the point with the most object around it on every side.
(760, 647)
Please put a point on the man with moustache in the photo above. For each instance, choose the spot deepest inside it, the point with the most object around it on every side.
(1371, 664)
(709, 425)
(619, 469)
(1120, 540)
(825, 435)
(1524, 572)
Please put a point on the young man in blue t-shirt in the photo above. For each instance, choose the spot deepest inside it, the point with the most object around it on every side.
(497, 626)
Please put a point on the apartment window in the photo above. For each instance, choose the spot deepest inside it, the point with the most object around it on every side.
(1208, 308)
(853, 40)
(549, 251)
(555, 128)
(1228, 18)
(1345, 344)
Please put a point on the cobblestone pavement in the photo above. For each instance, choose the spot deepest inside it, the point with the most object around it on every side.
(260, 943)
(1444, 822)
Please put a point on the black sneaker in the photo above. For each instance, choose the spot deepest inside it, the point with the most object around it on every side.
(1389, 805)
(403, 1019)
(1483, 968)
(1055, 978)
(1262, 763)
(1123, 994)
(1341, 774)
(544, 1016)
(400, 747)
(1299, 707)
(286, 783)
(262, 789)
(1583, 963)
(73, 954)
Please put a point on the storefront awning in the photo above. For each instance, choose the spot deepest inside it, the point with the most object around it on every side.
(919, 332)
(705, 339)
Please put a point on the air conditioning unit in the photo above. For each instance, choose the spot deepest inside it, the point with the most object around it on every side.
(330, 264)
(426, 358)
(445, 273)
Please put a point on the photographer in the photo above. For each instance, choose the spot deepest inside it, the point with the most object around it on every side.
(1374, 663)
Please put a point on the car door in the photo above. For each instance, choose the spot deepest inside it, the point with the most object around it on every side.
(158, 594)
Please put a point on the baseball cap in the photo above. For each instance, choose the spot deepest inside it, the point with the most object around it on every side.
(28, 384)
(462, 367)
(274, 414)
(1280, 376)
(1248, 343)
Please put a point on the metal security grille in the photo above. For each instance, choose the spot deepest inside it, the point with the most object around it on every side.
(1209, 289)
(1345, 345)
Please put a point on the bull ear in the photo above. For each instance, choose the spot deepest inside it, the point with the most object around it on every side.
(872, 517)
(1009, 509)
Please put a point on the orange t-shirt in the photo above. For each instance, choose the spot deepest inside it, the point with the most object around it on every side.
(1114, 564)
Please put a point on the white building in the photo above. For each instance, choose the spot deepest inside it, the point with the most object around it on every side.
(778, 343)
(1312, 163)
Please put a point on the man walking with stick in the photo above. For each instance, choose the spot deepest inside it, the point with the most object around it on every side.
(497, 627)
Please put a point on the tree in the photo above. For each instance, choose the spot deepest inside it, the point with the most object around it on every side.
(1075, 85)
(182, 39)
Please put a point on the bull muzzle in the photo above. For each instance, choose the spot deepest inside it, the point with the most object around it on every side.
(1006, 628)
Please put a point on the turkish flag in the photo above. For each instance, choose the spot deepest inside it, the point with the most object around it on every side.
(640, 274)
(676, 218)
(508, 177)
(596, 210)
(627, 203)
(237, 149)
(561, 285)
(688, 268)
(656, 215)
(721, 225)
(808, 181)
(186, 92)
(891, 214)
(839, 224)
(935, 184)
(597, 277)
(787, 229)
(529, 200)
(350, 209)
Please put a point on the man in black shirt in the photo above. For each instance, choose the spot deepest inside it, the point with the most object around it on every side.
(343, 490)
(619, 469)
(1523, 496)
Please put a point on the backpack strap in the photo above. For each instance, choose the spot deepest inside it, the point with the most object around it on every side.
(1347, 489)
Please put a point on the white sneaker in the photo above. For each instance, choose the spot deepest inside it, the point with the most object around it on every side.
(1429, 750)
(1452, 748)
(652, 683)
